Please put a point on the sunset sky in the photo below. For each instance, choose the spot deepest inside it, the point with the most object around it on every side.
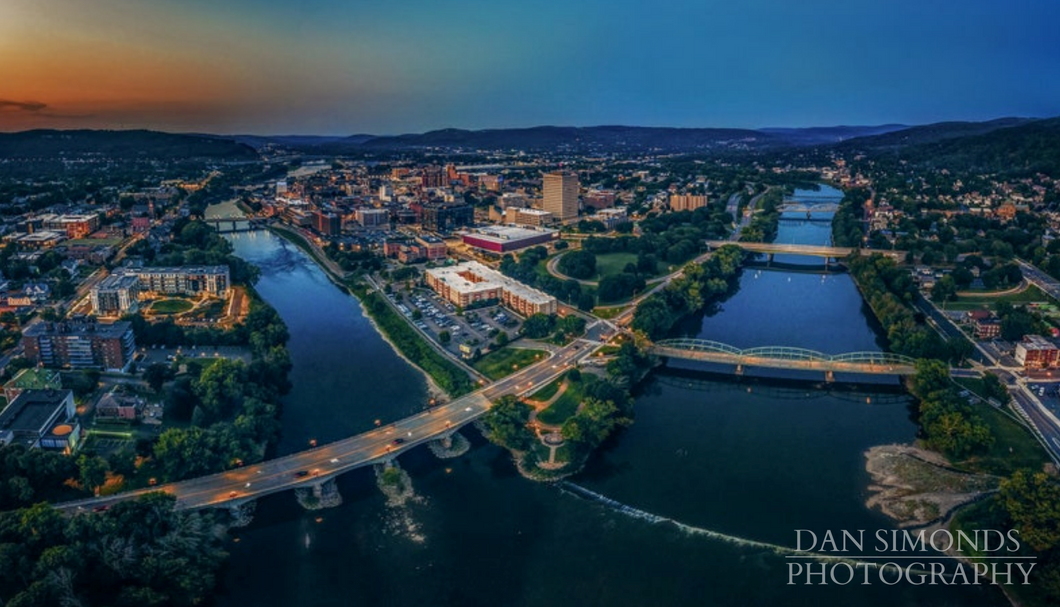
(386, 67)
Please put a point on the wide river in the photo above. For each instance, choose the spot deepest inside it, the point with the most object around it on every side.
(675, 510)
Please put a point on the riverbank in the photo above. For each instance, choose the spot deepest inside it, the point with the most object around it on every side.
(374, 315)
(918, 488)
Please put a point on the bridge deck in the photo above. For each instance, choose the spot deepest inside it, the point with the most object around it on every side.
(325, 462)
(798, 249)
(777, 357)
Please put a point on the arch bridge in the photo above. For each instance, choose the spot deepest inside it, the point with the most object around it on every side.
(803, 207)
(785, 357)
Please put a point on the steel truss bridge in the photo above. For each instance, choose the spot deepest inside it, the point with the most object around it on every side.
(785, 357)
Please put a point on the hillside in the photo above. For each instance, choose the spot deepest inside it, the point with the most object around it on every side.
(1011, 146)
(125, 145)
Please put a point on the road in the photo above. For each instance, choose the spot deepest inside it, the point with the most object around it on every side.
(947, 329)
(327, 461)
(1040, 279)
(1043, 420)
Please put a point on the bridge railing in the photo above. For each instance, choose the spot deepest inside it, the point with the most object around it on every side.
(788, 353)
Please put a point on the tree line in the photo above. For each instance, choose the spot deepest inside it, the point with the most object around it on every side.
(699, 285)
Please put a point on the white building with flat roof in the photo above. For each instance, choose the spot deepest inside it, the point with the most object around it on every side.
(470, 282)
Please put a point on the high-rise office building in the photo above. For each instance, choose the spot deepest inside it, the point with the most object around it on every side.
(561, 194)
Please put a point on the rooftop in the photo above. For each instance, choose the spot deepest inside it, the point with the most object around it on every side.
(117, 281)
(32, 410)
(471, 276)
(507, 233)
(35, 379)
(176, 270)
(114, 330)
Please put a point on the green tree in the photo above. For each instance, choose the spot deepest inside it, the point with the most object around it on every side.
(93, 471)
(1032, 501)
(444, 337)
(944, 290)
(506, 423)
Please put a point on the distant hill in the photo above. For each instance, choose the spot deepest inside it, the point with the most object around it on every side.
(257, 141)
(130, 145)
(610, 138)
(819, 135)
(930, 133)
(1009, 146)
(596, 138)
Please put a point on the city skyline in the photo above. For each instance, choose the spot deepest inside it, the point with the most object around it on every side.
(334, 68)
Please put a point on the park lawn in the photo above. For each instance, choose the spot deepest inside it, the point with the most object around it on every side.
(502, 363)
(608, 264)
(1014, 446)
(1031, 294)
(607, 312)
(566, 405)
(214, 309)
(171, 306)
(549, 390)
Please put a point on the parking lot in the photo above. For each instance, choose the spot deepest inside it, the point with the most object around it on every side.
(432, 315)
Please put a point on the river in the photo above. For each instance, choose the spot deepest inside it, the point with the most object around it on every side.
(751, 460)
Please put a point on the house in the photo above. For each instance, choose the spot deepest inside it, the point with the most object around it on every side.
(120, 405)
(38, 292)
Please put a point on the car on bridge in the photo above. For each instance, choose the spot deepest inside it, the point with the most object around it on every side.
(301, 473)
(397, 441)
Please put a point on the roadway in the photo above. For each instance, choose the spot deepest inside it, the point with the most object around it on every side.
(325, 462)
(1047, 425)
(1040, 279)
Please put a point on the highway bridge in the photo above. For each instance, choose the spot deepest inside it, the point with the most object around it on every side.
(784, 357)
(316, 469)
(771, 249)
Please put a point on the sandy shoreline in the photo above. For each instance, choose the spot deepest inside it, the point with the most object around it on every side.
(918, 488)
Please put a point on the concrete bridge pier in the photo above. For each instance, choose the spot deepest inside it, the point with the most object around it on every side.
(829, 376)
(769, 260)
(318, 496)
(739, 369)
(451, 444)
(242, 513)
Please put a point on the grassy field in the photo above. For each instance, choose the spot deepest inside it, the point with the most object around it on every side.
(1031, 294)
(1014, 446)
(567, 404)
(171, 306)
(214, 309)
(607, 312)
(613, 263)
(549, 390)
(502, 363)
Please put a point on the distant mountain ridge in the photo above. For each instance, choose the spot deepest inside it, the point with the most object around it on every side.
(137, 144)
(932, 133)
(1009, 146)
(1005, 144)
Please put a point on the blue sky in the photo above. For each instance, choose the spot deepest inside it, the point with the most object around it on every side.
(340, 67)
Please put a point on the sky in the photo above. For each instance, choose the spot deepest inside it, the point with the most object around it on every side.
(339, 67)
